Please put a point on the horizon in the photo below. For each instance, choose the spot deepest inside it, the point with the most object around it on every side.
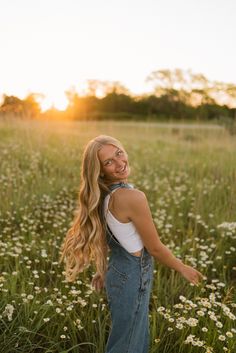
(100, 89)
(62, 44)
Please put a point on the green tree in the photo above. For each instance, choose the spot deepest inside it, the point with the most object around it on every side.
(23, 108)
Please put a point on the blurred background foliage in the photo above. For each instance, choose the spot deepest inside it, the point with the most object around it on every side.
(175, 95)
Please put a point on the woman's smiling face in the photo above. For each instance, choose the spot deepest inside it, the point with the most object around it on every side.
(114, 163)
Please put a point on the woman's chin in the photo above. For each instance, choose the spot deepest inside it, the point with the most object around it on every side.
(123, 176)
(119, 177)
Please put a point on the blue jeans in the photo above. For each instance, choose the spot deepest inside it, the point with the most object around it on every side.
(128, 284)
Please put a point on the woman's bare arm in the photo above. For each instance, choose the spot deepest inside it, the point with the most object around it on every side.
(140, 214)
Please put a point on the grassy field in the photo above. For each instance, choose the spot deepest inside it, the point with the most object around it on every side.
(188, 175)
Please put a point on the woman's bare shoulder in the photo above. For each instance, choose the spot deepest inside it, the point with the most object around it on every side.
(132, 202)
(131, 195)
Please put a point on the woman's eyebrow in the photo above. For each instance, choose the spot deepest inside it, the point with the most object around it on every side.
(111, 157)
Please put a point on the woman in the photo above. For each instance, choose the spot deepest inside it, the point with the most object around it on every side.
(114, 215)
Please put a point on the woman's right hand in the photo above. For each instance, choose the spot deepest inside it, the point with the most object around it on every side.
(192, 275)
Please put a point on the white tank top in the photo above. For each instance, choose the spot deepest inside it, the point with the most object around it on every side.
(125, 233)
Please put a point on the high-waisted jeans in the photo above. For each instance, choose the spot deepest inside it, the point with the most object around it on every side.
(128, 285)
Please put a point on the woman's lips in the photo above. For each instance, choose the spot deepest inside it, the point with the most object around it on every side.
(123, 170)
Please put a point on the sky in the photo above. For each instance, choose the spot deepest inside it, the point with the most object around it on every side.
(50, 46)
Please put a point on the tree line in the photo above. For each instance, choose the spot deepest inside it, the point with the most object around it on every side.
(175, 94)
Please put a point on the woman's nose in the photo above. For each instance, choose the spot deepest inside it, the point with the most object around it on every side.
(119, 163)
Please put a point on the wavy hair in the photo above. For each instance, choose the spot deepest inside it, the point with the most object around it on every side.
(85, 241)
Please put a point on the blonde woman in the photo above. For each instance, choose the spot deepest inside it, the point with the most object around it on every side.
(115, 216)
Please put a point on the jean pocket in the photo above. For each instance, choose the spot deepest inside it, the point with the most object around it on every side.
(115, 283)
(115, 269)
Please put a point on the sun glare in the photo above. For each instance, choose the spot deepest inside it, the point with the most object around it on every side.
(58, 102)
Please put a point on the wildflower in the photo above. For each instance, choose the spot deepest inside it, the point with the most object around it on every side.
(49, 302)
(9, 311)
(166, 316)
(182, 298)
(78, 324)
(206, 303)
(44, 253)
(189, 339)
(181, 319)
(212, 316)
(219, 324)
(156, 340)
(23, 329)
(200, 313)
(227, 226)
(198, 343)
(192, 322)
(220, 284)
(231, 316)
(212, 296)
(221, 338)
(229, 334)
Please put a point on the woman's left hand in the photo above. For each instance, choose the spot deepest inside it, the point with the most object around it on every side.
(191, 274)
(97, 282)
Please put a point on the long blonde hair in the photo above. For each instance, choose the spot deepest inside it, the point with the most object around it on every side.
(85, 241)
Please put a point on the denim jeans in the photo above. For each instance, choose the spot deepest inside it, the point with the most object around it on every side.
(128, 285)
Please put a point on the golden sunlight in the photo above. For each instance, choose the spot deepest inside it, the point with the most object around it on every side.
(58, 101)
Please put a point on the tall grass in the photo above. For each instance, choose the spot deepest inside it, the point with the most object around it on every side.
(188, 176)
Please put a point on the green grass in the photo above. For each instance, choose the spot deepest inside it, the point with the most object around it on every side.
(188, 176)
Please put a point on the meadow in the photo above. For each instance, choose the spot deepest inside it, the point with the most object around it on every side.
(188, 175)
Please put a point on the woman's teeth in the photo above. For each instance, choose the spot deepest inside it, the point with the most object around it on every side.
(122, 170)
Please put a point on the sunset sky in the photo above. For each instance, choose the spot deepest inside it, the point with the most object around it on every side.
(48, 46)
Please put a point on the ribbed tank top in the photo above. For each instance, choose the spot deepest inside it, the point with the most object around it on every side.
(125, 233)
